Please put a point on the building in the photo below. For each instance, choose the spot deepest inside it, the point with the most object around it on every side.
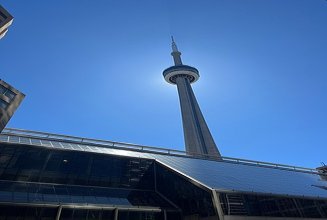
(10, 99)
(5, 21)
(197, 136)
(50, 176)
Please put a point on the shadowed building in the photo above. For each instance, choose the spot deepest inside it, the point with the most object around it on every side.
(10, 99)
(197, 136)
(51, 176)
(5, 21)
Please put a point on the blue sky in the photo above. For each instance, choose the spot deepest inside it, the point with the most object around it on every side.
(94, 69)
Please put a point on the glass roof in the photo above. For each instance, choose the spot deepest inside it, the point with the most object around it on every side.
(224, 176)
(230, 174)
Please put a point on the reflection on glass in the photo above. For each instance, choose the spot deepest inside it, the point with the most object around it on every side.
(259, 205)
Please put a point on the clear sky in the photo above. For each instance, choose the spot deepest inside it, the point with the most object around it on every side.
(94, 69)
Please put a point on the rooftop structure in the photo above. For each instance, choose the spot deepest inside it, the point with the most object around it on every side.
(10, 99)
(197, 136)
(5, 21)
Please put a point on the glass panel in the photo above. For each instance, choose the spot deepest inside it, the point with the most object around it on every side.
(75, 146)
(62, 194)
(66, 145)
(228, 176)
(24, 140)
(13, 139)
(4, 160)
(94, 214)
(46, 143)
(66, 214)
(259, 205)
(4, 138)
(6, 194)
(174, 216)
(127, 215)
(20, 191)
(7, 92)
(2, 88)
(10, 94)
(48, 193)
(12, 212)
(27, 163)
(80, 214)
(40, 213)
(36, 141)
(33, 193)
(191, 199)
(3, 104)
(56, 144)
(108, 214)
(77, 194)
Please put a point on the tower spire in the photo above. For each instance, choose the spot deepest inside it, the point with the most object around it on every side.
(173, 44)
(175, 53)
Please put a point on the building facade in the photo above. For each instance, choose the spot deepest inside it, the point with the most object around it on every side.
(50, 176)
(5, 21)
(10, 99)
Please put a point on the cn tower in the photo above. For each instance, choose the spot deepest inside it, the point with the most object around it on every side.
(197, 136)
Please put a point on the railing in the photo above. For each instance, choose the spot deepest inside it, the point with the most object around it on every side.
(112, 144)
(80, 140)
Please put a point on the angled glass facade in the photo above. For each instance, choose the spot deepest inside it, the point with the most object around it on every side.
(48, 176)
(237, 176)
(193, 200)
(36, 175)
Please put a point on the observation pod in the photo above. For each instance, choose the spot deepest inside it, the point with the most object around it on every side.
(172, 73)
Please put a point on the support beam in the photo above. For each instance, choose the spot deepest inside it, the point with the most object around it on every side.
(216, 201)
(59, 212)
(116, 214)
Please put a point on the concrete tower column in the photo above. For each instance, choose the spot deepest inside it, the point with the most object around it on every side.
(197, 136)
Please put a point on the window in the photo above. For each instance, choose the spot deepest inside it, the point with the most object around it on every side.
(71, 167)
(7, 92)
(2, 16)
(273, 206)
(3, 104)
(191, 199)
(126, 215)
(27, 213)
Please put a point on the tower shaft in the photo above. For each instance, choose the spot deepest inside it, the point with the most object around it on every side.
(198, 139)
